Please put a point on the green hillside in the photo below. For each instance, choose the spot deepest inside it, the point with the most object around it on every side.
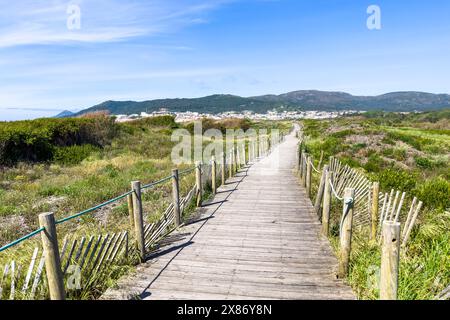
(297, 100)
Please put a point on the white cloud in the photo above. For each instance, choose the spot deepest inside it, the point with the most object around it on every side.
(36, 22)
(43, 36)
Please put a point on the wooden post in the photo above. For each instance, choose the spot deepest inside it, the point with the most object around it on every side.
(238, 158)
(326, 204)
(304, 159)
(320, 191)
(300, 161)
(308, 176)
(346, 232)
(260, 146)
(224, 163)
(321, 160)
(213, 175)
(138, 218)
(230, 166)
(375, 194)
(52, 258)
(233, 158)
(244, 154)
(390, 257)
(198, 181)
(130, 210)
(176, 197)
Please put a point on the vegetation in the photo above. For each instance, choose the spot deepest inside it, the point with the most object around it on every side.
(97, 162)
(297, 100)
(45, 139)
(405, 152)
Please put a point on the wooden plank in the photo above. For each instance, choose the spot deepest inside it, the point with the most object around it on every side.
(86, 251)
(30, 270)
(258, 238)
(121, 243)
(13, 275)
(37, 276)
(94, 249)
(69, 256)
(105, 254)
(80, 249)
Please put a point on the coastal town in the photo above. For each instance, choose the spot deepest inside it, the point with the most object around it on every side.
(271, 115)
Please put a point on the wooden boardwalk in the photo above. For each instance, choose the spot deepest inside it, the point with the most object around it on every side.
(257, 239)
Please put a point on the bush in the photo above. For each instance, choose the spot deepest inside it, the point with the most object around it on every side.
(424, 163)
(74, 154)
(343, 133)
(374, 164)
(417, 142)
(358, 146)
(37, 140)
(221, 125)
(397, 179)
(399, 154)
(162, 121)
(435, 193)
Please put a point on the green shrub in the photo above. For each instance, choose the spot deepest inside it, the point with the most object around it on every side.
(435, 193)
(350, 161)
(374, 163)
(343, 133)
(111, 171)
(358, 146)
(397, 154)
(423, 163)
(416, 141)
(50, 190)
(314, 128)
(162, 121)
(388, 140)
(74, 154)
(397, 179)
(388, 152)
(7, 210)
(222, 125)
(37, 140)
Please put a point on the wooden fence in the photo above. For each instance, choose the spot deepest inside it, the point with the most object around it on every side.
(388, 217)
(46, 275)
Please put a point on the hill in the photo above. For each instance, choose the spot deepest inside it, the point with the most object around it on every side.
(293, 101)
(64, 114)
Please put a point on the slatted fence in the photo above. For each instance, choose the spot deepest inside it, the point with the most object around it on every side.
(45, 274)
(389, 217)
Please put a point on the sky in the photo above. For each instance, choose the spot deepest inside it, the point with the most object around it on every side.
(149, 49)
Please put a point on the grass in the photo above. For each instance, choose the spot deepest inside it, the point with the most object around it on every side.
(139, 151)
(409, 154)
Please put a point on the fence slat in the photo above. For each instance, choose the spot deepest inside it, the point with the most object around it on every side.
(37, 277)
(30, 270)
(86, 251)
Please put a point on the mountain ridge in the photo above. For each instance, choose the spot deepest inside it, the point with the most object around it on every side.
(300, 100)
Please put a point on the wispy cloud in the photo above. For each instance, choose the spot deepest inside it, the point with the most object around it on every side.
(40, 22)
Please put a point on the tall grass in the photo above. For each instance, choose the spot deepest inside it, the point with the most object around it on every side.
(425, 262)
(140, 150)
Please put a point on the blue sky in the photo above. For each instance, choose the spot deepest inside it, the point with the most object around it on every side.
(147, 49)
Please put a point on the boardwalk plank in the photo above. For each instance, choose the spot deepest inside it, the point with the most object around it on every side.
(259, 238)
